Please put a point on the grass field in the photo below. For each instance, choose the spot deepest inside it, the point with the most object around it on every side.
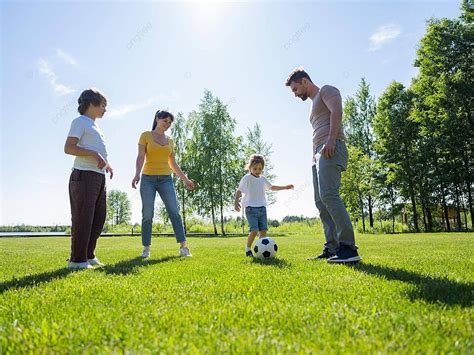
(410, 294)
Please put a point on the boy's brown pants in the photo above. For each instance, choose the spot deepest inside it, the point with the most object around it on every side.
(87, 194)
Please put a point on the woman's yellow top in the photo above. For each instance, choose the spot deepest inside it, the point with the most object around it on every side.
(157, 155)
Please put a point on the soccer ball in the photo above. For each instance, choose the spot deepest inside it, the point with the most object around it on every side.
(265, 248)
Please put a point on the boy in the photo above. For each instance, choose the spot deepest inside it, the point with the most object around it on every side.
(87, 189)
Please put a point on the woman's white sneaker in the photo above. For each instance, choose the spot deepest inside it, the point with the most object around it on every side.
(146, 252)
(184, 252)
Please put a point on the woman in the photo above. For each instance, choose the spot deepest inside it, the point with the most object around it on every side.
(156, 150)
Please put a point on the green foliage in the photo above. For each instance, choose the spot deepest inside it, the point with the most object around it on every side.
(118, 207)
(216, 162)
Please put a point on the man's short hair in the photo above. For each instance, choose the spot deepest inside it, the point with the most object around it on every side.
(296, 76)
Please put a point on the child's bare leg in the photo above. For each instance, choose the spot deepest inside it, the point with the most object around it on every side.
(251, 238)
(262, 234)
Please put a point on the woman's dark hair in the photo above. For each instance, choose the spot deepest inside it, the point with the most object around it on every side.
(90, 97)
(161, 115)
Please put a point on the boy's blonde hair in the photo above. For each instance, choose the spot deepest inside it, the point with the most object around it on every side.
(255, 159)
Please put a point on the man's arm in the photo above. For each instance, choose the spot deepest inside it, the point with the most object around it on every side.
(334, 105)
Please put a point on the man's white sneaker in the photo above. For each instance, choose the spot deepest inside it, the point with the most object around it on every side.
(74, 265)
(146, 252)
(184, 252)
(95, 262)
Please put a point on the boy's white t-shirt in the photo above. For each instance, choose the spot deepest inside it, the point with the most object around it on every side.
(253, 189)
(90, 137)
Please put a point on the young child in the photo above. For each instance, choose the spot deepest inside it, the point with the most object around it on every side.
(253, 186)
(87, 191)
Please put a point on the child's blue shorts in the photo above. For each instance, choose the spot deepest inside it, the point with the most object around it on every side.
(257, 218)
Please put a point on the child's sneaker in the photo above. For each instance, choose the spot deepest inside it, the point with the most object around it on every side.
(78, 266)
(184, 252)
(95, 262)
(249, 253)
(146, 252)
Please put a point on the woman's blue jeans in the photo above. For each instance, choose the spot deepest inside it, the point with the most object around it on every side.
(163, 184)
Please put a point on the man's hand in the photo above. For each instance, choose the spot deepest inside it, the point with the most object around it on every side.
(329, 148)
(237, 206)
(289, 187)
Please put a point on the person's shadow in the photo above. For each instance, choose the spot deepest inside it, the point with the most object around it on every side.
(275, 262)
(34, 280)
(121, 268)
(132, 266)
(428, 288)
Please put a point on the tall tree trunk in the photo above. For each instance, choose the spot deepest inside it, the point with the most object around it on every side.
(214, 220)
(362, 212)
(446, 215)
(392, 202)
(213, 214)
(469, 199)
(371, 215)
(415, 214)
(466, 159)
(425, 224)
(464, 212)
(221, 202)
(430, 219)
(458, 212)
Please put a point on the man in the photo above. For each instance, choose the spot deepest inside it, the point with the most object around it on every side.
(330, 159)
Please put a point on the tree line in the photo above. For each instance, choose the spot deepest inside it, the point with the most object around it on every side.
(410, 151)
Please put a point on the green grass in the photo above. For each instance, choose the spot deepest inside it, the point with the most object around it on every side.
(411, 294)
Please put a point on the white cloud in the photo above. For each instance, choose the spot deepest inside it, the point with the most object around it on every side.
(45, 69)
(384, 34)
(66, 57)
(125, 109)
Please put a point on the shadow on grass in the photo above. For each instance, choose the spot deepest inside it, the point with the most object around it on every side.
(34, 280)
(279, 263)
(430, 289)
(122, 268)
(132, 266)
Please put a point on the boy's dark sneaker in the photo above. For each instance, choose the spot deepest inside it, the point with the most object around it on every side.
(326, 254)
(344, 255)
(248, 253)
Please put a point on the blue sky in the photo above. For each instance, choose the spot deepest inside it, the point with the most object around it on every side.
(152, 55)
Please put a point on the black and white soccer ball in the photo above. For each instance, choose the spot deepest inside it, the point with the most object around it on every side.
(265, 248)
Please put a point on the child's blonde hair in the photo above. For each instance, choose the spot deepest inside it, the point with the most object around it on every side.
(255, 159)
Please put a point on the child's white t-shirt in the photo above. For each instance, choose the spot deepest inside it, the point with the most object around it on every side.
(253, 189)
(90, 137)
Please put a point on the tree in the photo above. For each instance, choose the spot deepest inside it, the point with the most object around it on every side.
(444, 105)
(180, 134)
(118, 207)
(397, 135)
(216, 163)
(359, 112)
(355, 183)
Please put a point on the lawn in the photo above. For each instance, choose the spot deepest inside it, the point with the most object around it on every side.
(410, 294)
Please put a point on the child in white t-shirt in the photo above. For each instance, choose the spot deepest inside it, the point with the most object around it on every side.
(253, 186)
